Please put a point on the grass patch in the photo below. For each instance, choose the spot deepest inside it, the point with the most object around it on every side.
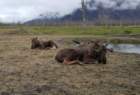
(73, 30)
(35, 72)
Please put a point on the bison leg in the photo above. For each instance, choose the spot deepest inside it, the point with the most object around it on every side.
(89, 61)
(69, 62)
(102, 60)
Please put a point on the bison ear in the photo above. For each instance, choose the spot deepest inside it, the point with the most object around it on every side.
(98, 42)
(36, 37)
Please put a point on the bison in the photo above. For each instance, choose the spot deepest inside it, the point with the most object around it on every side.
(90, 53)
(37, 44)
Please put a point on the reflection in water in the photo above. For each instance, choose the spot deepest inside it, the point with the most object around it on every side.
(126, 48)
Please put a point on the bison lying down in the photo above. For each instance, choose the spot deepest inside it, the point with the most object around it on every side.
(90, 53)
(37, 44)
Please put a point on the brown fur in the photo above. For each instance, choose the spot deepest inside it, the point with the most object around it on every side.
(90, 53)
(37, 44)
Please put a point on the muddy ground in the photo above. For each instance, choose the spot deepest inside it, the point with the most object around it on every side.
(35, 72)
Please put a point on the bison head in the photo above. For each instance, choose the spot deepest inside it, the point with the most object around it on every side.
(98, 50)
(35, 43)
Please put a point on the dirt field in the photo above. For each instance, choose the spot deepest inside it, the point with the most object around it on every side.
(34, 72)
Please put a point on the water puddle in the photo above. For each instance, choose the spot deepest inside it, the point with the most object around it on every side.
(126, 48)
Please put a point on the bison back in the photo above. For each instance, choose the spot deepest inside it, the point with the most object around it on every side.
(70, 54)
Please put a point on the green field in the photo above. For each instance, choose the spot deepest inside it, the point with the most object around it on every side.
(74, 30)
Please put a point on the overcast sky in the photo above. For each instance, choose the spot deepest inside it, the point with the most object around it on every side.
(23, 10)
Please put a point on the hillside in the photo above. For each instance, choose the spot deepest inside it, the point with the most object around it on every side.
(127, 16)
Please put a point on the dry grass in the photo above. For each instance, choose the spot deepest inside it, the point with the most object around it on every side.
(34, 72)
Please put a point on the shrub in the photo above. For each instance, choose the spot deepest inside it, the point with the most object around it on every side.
(127, 32)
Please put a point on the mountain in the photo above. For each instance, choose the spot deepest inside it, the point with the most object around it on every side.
(100, 15)
(92, 15)
(42, 21)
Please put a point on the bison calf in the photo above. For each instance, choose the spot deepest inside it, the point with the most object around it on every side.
(37, 44)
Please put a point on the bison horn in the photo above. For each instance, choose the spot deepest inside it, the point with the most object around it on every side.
(77, 42)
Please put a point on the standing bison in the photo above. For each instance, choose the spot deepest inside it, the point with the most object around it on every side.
(37, 44)
(88, 53)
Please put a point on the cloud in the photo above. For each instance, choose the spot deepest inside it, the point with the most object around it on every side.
(115, 4)
(23, 10)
